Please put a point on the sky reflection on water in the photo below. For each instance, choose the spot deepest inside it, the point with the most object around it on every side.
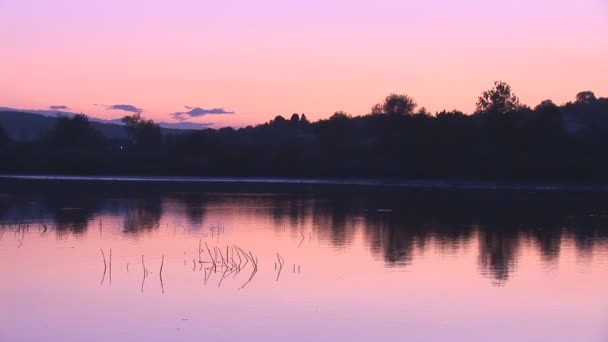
(354, 265)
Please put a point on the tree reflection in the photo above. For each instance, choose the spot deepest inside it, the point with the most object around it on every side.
(333, 221)
(498, 251)
(548, 241)
(396, 226)
(193, 205)
(142, 214)
(71, 214)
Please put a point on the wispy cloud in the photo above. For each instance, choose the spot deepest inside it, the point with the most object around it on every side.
(123, 107)
(59, 107)
(194, 112)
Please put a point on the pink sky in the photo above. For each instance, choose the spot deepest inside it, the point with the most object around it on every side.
(265, 58)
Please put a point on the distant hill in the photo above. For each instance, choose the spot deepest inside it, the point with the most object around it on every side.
(22, 126)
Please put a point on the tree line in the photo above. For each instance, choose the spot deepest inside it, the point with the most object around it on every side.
(502, 140)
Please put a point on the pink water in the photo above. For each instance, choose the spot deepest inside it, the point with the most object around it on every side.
(353, 270)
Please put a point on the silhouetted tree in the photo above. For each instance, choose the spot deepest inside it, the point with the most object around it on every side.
(279, 120)
(585, 97)
(549, 115)
(75, 132)
(73, 145)
(395, 104)
(144, 133)
(339, 115)
(304, 120)
(423, 111)
(295, 118)
(498, 100)
(545, 104)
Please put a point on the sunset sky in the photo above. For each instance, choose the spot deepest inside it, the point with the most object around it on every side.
(259, 59)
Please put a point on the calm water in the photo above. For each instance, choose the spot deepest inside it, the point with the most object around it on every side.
(81, 261)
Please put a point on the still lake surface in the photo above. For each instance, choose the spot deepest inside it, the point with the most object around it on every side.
(86, 260)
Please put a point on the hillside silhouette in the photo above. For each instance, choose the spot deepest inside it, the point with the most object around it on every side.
(23, 126)
(502, 140)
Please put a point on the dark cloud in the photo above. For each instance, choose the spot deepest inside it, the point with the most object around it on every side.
(59, 107)
(123, 107)
(194, 112)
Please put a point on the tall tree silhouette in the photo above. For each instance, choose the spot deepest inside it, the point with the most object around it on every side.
(498, 100)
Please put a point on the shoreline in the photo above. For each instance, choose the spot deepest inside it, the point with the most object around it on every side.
(358, 182)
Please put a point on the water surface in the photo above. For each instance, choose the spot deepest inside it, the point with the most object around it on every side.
(300, 262)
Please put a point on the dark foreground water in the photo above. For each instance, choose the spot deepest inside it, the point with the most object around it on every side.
(161, 261)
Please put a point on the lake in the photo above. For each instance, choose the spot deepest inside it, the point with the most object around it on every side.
(145, 260)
